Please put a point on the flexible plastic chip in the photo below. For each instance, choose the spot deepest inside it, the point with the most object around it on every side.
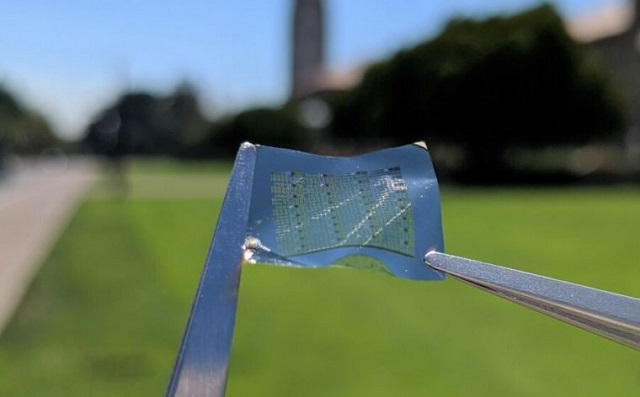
(379, 211)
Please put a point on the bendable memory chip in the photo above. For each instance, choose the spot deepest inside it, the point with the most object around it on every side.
(357, 209)
(379, 211)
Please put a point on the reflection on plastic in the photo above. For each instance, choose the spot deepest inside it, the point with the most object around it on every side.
(379, 211)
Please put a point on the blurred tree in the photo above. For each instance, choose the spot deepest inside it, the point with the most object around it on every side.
(275, 127)
(181, 115)
(485, 86)
(22, 130)
(127, 127)
(144, 124)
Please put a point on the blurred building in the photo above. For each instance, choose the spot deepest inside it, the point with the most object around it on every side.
(613, 33)
(308, 47)
(309, 72)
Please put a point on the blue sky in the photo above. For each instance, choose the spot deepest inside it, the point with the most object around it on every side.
(67, 58)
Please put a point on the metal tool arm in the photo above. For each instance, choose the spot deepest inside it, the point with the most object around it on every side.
(610, 315)
(203, 359)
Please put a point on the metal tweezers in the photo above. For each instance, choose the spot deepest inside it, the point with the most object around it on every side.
(203, 359)
(613, 316)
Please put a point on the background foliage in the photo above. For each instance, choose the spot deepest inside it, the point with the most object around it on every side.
(486, 86)
(22, 130)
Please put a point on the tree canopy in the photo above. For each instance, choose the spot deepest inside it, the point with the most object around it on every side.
(22, 130)
(142, 123)
(485, 86)
(276, 127)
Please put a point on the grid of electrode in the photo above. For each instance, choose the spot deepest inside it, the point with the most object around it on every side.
(314, 212)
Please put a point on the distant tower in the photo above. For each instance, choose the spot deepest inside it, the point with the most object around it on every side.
(308, 47)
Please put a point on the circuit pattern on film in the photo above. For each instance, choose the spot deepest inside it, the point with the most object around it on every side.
(315, 212)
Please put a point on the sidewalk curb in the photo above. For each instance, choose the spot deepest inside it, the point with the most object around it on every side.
(36, 204)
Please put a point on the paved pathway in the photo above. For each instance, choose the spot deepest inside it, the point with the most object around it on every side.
(36, 201)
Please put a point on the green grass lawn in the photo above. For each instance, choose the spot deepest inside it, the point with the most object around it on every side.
(105, 315)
